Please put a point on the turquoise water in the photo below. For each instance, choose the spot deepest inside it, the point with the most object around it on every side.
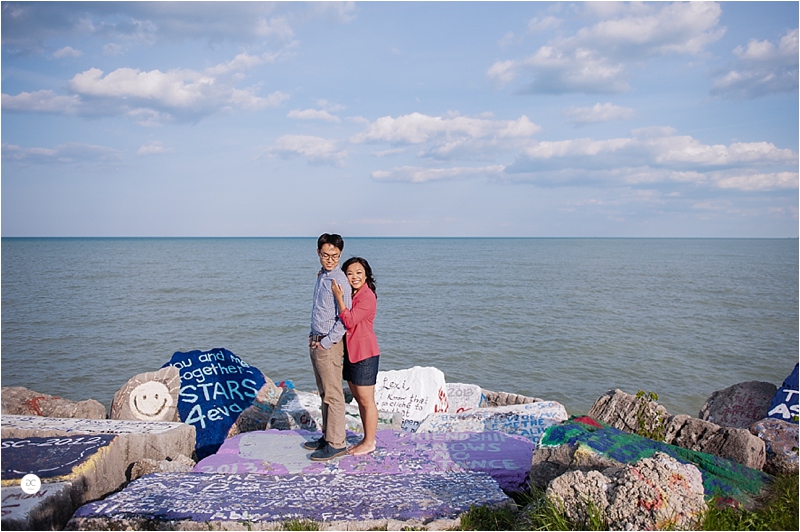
(559, 319)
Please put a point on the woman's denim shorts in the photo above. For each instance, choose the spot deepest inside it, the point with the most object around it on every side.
(364, 373)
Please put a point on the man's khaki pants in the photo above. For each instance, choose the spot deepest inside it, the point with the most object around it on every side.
(327, 364)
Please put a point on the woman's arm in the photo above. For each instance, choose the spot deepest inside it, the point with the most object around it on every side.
(365, 306)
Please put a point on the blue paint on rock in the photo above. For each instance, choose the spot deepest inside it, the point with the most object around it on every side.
(216, 386)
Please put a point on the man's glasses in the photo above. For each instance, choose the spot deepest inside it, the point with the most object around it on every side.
(325, 256)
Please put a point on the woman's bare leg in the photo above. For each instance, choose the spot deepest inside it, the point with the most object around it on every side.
(365, 396)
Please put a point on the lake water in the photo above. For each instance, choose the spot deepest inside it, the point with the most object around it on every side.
(560, 319)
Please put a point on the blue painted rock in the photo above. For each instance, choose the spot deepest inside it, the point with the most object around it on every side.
(528, 420)
(263, 501)
(505, 458)
(216, 386)
(784, 405)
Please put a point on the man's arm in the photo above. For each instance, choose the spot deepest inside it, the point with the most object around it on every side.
(337, 332)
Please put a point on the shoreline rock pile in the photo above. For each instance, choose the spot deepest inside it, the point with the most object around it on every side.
(218, 445)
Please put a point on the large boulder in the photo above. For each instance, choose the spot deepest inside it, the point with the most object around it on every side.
(654, 493)
(414, 393)
(592, 443)
(463, 397)
(780, 441)
(216, 386)
(151, 396)
(638, 415)
(77, 460)
(505, 399)
(200, 501)
(740, 405)
(20, 401)
(529, 420)
(734, 444)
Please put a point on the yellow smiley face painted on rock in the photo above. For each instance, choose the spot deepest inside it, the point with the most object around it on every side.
(150, 401)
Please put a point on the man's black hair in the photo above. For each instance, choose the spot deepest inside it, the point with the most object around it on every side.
(333, 239)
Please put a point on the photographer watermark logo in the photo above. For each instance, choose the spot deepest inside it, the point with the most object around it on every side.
(31, 484)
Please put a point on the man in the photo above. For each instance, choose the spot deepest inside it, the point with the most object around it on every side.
(326, 347)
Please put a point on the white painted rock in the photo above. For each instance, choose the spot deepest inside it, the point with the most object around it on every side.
(528, 420)
(415, 393)
(151, 396)
(463, 397)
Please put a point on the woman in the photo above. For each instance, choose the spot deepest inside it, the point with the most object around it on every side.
(361, 346)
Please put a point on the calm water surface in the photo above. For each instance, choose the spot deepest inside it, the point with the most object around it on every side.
(559, 319)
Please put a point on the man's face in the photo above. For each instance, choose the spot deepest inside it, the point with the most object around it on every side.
(329, 256)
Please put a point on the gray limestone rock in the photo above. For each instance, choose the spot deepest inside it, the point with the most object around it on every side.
(654, 493)
(740, 405)
(20, 401)
(734, 444)
(548, 463)
(627, 412)
(145, 466)
(505, 399)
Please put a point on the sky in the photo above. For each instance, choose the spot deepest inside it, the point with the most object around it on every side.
(510, 119)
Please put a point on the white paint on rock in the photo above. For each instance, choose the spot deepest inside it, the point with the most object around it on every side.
(415, 392)
(529, 420)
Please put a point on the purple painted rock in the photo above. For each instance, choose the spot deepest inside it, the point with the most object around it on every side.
(151, 396)
(780, 439)
(223, 502)
(528, 420)
(740, 405)
(506, 458)
(414, 393)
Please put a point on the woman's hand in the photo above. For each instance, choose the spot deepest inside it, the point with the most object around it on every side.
(336, 289)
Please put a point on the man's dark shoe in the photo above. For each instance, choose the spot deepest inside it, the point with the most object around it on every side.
(328, 453)
(315, 444)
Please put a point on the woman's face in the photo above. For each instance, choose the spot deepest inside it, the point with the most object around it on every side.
(356, 275)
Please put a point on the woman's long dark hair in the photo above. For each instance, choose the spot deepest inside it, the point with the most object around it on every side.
(367, 271)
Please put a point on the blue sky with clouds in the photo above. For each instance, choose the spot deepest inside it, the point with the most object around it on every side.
(400, 119)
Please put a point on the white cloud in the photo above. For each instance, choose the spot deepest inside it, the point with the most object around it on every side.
(67, 51)
(450, 137)
(600, 112)
(598, 58)
(413, 174)
(153, 148)
(313, 114)
(537, 25)
(45, 101)
(153, 97)
(656, 155)
(761, 68)
(317, 150)
(417, 128)
(67, 154)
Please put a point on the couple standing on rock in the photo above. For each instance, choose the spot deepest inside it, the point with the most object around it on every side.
(343, 345)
